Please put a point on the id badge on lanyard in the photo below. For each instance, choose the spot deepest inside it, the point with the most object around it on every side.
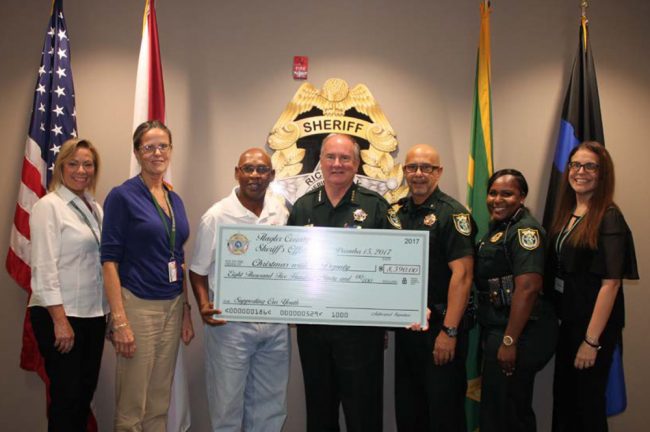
(559, 285)
(172, 268)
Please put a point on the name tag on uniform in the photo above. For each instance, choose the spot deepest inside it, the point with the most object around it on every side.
(173, 271)
(559, 285)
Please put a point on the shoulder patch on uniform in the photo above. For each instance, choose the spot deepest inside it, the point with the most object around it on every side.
(528, 238)
(392, 217)
(462, 223)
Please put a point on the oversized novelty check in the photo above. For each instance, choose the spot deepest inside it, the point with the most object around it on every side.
(337, 276)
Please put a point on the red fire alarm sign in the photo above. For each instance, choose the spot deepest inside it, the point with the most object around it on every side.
(300, 67)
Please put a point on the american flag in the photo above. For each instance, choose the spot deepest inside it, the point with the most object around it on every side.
(53, 121)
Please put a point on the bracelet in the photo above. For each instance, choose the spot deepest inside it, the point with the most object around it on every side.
(119, 326)
(592, 343)
(186, 303)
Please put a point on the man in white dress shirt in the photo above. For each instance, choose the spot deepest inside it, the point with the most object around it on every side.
(247, 364)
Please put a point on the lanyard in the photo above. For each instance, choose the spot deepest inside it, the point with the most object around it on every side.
(171, 235)
(564, 234)
(85, 219)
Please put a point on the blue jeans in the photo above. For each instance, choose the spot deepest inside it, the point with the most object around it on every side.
(247, 372)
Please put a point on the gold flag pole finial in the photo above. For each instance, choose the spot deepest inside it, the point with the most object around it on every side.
(584, 4)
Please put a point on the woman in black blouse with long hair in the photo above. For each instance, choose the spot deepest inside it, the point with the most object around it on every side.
(592, 251)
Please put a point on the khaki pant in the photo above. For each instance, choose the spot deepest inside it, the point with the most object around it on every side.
(143, 383)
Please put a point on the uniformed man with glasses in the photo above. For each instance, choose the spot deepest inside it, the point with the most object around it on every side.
(430, 376)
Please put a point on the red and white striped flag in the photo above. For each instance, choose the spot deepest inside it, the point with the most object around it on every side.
(53, 121)
(150, 105)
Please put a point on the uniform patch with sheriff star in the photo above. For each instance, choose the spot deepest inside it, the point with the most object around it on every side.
(463, 224)
(528, 238)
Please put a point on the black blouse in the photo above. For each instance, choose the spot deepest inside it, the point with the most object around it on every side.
(583, 270)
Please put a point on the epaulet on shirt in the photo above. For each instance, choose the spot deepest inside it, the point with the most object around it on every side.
(455, 205)
(364, 191)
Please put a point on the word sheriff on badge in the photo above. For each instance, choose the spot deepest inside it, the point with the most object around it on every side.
(314, 113)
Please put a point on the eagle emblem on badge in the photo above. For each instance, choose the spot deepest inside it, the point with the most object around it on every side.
(314, 113)
(359, 215)
(528, 238)
(496, 237)
(430, 219)
(463, 224)
(393, 219)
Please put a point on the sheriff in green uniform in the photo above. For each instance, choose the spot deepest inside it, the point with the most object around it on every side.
(518, 327)
(430, 376)
(341, 364)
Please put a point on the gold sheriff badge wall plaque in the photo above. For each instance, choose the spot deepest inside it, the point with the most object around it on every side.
(311, 115)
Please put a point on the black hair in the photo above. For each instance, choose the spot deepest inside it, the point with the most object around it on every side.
(519, 178)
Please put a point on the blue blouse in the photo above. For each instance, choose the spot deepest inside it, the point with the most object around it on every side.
(135, 237)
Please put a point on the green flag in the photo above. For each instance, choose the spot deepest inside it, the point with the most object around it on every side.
(478, 172)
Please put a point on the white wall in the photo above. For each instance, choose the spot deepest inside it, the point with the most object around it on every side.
(227, 74)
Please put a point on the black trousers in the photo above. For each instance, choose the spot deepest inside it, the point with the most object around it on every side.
(579, 395)
(73, 376)
(342, 365)
(429, 397)
(507, 401)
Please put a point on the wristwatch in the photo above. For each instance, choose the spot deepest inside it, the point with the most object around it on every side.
(452, 332)
(508, 341)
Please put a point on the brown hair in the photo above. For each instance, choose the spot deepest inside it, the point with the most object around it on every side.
(66, 153)
(586, 233)
(145, 127)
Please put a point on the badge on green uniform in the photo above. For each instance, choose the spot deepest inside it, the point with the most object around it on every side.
(462, 224)
(430, 219)
(496, 237)
(528, 238)
(359, 215)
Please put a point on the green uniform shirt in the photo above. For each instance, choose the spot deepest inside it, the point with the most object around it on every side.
(359, 208)
(512, 247)
(451, 236)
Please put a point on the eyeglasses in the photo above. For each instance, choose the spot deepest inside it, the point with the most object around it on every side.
(250, 169)
(589, 167)
(151, 148)
(424, 168)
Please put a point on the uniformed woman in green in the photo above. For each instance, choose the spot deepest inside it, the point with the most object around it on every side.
(518, 327)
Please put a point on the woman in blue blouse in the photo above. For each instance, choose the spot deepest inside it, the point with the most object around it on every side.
(145, 228)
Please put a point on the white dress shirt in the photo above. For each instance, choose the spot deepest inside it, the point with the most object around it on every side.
(231, 211)
(65, 264)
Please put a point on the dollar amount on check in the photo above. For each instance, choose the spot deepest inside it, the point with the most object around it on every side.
(310, 275)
